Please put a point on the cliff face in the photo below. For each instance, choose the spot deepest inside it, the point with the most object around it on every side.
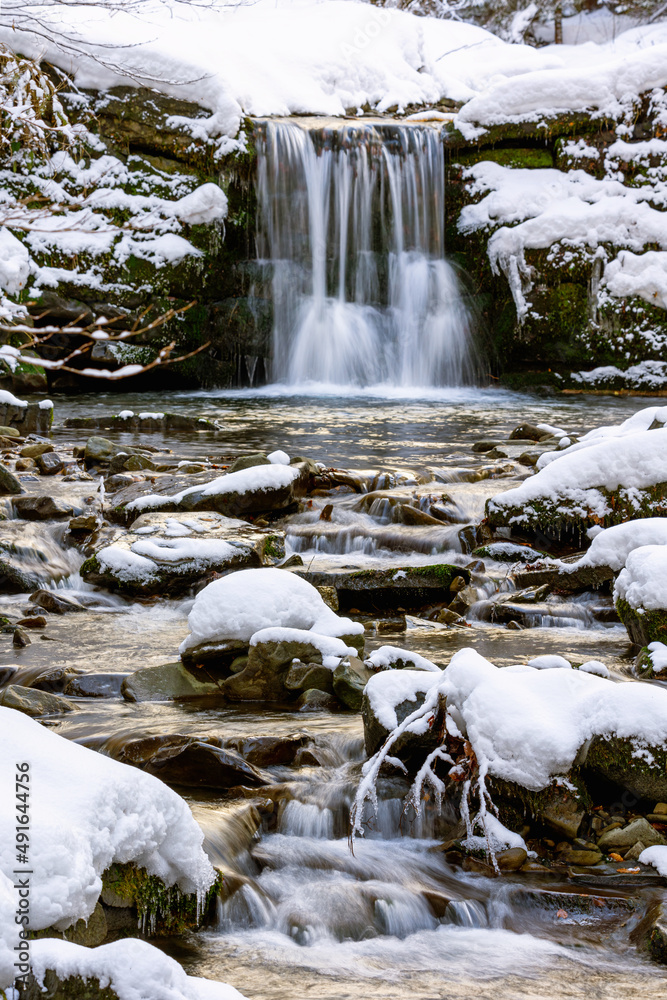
(556, 222)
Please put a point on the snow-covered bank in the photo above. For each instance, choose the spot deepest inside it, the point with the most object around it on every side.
(330, 57)
(87, 811)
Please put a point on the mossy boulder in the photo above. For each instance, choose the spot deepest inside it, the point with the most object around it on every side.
(409, 587)
(643, 625)
(159, 909)
(629, 764)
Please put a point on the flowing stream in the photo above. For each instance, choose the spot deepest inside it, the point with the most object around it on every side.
(309, 918)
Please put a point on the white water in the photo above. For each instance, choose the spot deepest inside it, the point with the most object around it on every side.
(352, 226)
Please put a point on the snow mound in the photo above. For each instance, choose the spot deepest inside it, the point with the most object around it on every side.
(655, 856)
(650, 418)
(255, 479)
(385, 657)
(86, 812)
(134, 969)
(658, 654)
(240, 605)
(550, 661)
(643, 581)
(388, 689)
(595, 667)
(612, 546)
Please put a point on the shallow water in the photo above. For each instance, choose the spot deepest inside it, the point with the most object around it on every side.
(312, 919)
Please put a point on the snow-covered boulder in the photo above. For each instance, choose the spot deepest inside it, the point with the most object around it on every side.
(27, 418)
(88, 812)
(389, 698)
(256, 490)
(163, 554)
(275, 616)
(603, 484)
(640, 593)
(129, 969)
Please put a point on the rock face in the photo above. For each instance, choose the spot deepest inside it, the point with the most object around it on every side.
(642, 771)
(142, 423)
(26, 418)
(163, 554)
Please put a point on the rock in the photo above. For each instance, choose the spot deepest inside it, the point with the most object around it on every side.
(100, 451)
(481, 447)
(269, 663)
(91, 932)
(187, 760)
(302, 676)
(25, 465)
(615, 759)
(582, 858)
(563, 811)
(651, 933)
(317, 701)
(349, 680)
(634, 852)
(248, 462)
(512, 859)
(406, 514)
(57, 604)
(35, 449)
(84, 523)
(95, 685)
(170, 682)
(49, 463)
(328, 594)
(9, 432)
(21, 638)
(629, 835)
(145, 423)
(40, 508)
(9, 484)
(32, 702)
(384, 589)
(269, 751)
(38, 622)
(527, 432)
(162, 554)
(411, 748)
(27, 418)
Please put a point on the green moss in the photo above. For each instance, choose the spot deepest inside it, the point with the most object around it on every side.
(643, 626)
(160, 910)
(509, 156)
(274, 547)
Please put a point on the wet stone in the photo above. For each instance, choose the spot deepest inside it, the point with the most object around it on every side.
(349, 680)
(56, 603)
(317, 701)
(185, 760)
(35, 449)
(269, 751)
(21, 638)
(37, 622)
(49, 463)
(95, 686)
(9, 484)
(40, 508)
(627, 836)
(168, 682)
(302, 676)
(32, 702)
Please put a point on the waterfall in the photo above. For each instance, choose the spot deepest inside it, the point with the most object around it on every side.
(351, 225)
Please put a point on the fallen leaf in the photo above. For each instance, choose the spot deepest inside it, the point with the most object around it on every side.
(628, 871)
(616, 857)
(562, 914)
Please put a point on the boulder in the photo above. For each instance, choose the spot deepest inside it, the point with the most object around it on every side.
(349, 680)
(315, 700)
(388, 699)
(9, 484)
(57, 604)
(409, 587)
(248, 462)
(269, 663)
(640, 769)
(33, 702)
(26, 418)
(168, 682)
(144, 423)
(40, 508)
(95, 686)
(191, 761)
(302, 676)
(49, 463)
(164, 554)
(35, 449)
(269, 751)
(627, 836)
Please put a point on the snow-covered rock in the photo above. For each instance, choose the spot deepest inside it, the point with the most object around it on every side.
(132, 969)
(640, 593)
(88, 811)
(248, 491)
(236, 607)
(165, 554)
(604, 483)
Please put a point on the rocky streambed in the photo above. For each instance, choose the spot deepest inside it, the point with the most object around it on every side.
(378, 512)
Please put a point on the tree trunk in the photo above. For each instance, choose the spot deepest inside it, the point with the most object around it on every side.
(558, 25)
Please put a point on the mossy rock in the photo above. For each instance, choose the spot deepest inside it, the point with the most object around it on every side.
(72, 988)
(160, 910)
(630, 764)
(408, 587)
(644, 626)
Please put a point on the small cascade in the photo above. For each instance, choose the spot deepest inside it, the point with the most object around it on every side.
(351, 226)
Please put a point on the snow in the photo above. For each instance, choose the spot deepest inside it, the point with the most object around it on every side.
(595, 667)
(7, 399)
(528, 726)
(573, 476)
(385, 657)
(658, 654)
(639, 274)
(259, 477)
(134, 969)
(388, 689)
(86, 812)
(240, 605)
(540, 207)
(14, 263)
(612, 546)
(643, 581)
(332, 649)
(282, 57)
(208, 203)
(649, 418)
(655, 856)
(498, 834)
(645, 375)
(9, 931)
(279, 458)
(550, 661)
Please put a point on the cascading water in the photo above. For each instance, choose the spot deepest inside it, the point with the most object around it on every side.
(351, 223)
